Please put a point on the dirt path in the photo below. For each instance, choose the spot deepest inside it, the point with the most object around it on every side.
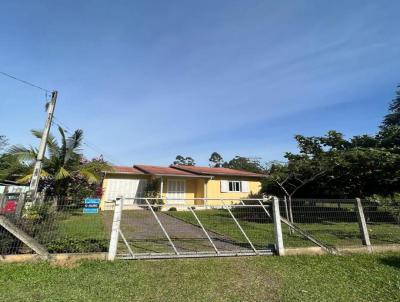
(144, 233)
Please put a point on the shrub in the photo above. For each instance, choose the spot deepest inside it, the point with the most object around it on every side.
(389, 205)
(8, 243)
(172, 209)
(70, 245)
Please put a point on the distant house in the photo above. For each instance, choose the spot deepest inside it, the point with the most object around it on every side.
(179, 185)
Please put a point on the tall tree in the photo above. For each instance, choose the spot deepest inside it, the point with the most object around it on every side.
(63, 162)
(245, 164)
(216, 160)
(184, 161)
(393, 117)
(3, 142)
(300, 169)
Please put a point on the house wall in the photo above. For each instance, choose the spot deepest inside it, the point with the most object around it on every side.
(195, 188)
(105, 184)
(214, 188)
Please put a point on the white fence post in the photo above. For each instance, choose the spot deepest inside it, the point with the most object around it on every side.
(112, 250)
(277, 227)
(362, 223)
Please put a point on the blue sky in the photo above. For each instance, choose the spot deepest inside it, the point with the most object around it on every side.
(147, 80)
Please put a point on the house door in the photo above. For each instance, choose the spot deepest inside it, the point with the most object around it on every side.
(176, 191)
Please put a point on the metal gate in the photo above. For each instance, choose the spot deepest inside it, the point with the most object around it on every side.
(144, 228)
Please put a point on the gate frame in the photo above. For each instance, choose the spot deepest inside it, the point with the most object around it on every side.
(116, 232)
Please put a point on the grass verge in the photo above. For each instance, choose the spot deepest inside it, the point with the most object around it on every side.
(368, 277)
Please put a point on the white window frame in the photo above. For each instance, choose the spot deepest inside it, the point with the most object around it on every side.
(234, 183)
(171, 195)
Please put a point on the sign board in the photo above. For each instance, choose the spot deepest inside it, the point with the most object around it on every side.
(91, 206)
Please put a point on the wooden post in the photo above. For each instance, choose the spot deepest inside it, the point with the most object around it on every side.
(112, 251)
(280, 250)
(362, 223)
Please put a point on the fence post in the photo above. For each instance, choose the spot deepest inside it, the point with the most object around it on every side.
(277, 227)
(362, 224)
(20, 206)
(112, 250)
(2, 200)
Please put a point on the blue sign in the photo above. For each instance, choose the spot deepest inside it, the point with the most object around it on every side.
(91, 206)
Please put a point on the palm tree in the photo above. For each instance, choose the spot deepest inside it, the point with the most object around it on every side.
(63, 162)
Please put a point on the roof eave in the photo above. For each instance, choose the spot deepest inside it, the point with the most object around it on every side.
(187, 176)
(119, 172)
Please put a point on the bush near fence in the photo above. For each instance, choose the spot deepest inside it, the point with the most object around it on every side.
(61, 228)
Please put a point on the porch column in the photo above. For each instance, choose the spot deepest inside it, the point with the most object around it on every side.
(161, 187)
(205, 193)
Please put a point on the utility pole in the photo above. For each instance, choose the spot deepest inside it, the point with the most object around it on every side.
(33, 187)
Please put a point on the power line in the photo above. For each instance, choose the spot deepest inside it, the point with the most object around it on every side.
(91, 146)
(25, 82)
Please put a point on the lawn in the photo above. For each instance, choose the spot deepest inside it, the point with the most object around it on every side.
(364, 277)
(332, 233)
(83, 226)
(72, 232)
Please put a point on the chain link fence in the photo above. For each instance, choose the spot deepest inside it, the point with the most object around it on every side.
(198, 226)
(335, 222)
(58, 224)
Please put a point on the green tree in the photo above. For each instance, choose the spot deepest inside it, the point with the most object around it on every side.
(393, 117)
(10, 166)
(299, 170)
(184, 161)
(216, 160)
(357, 167)
(63, 162)
(245, 164)
(3, 142)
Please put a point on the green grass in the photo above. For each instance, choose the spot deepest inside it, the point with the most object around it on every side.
(78, 232)
(74, 232)
(83, 226)
(367, 277)
(332, 233)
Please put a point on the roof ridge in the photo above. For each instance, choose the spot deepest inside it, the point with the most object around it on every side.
(179, 167)
(141, 168)
(192, 169)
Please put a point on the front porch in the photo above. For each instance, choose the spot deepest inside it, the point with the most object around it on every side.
(183, 191)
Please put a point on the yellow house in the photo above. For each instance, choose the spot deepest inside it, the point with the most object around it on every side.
(179, 185)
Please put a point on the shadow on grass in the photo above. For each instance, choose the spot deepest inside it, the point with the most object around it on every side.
(393, 261)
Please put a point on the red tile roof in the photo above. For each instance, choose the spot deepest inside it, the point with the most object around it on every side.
(217, 171)
(157, 170)
(123, 169)
(184, 171)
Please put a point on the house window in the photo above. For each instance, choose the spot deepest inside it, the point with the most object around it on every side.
(235, 186)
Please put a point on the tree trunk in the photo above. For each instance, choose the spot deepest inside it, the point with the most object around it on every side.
(290, 209)
(286, 207)
(290, 218)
